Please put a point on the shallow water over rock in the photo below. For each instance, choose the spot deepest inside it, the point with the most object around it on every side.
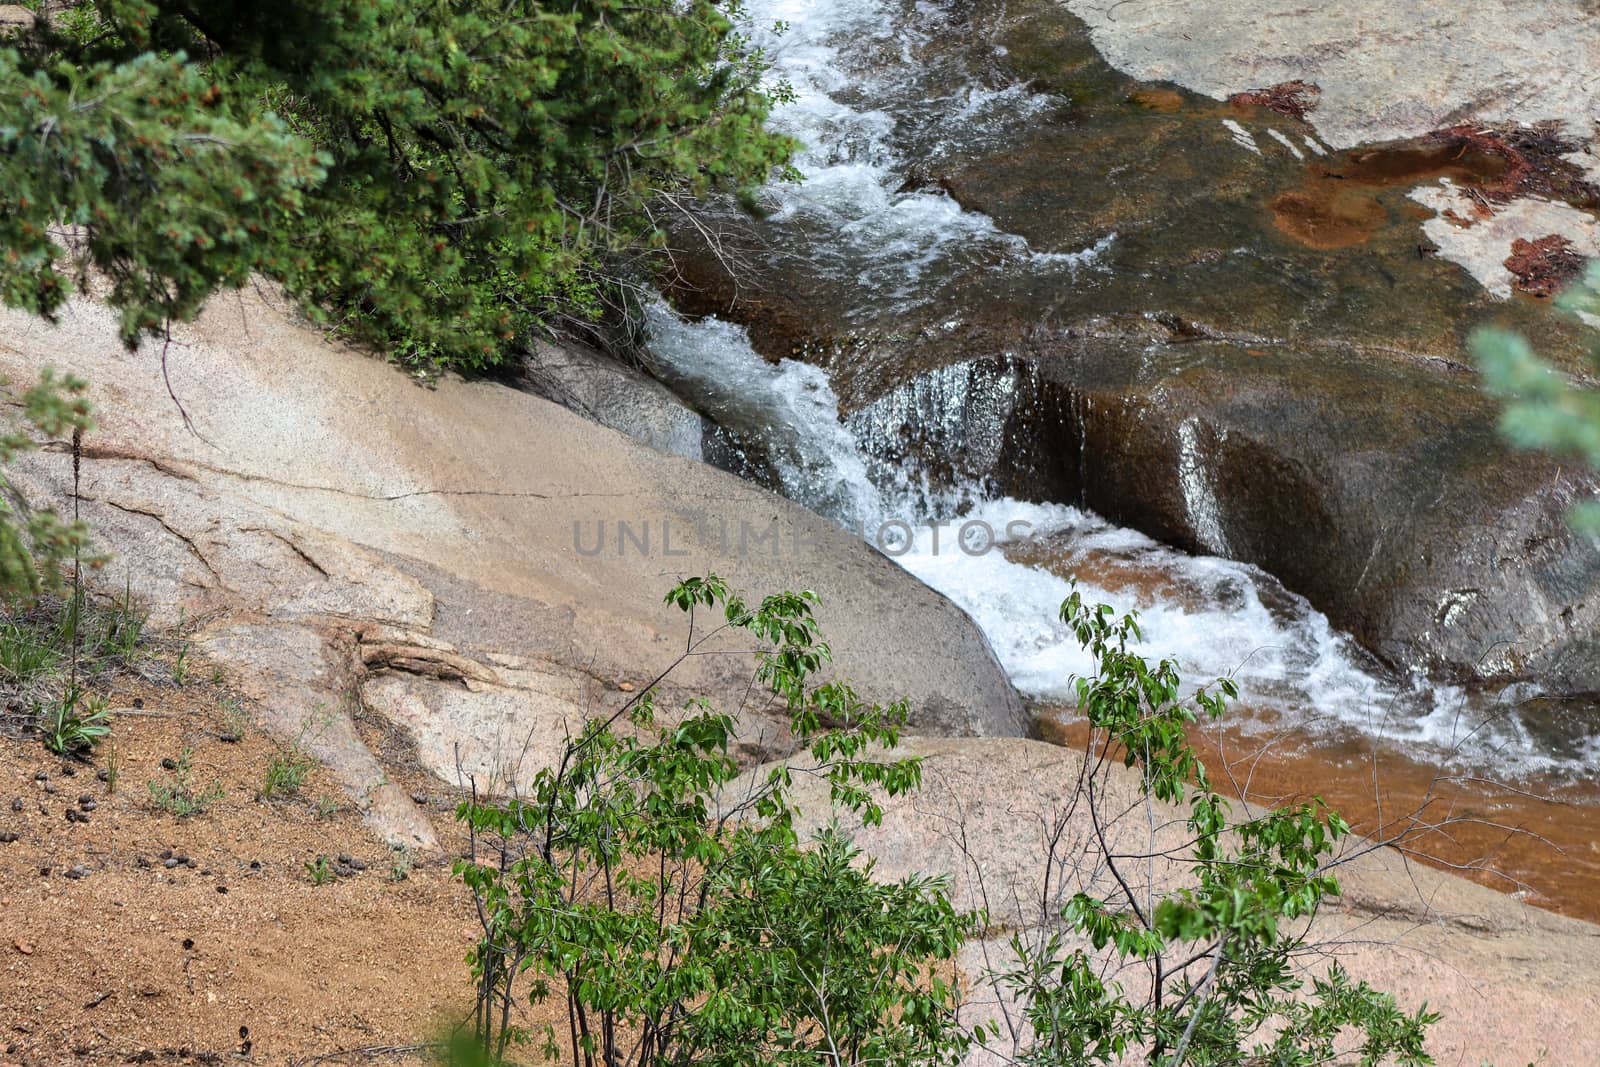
(1025, 271)
(1009, 562)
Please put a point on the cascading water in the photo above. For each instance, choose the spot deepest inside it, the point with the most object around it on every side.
(871, 89)
(1007, 562)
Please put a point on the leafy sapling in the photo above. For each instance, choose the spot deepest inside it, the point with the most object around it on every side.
(677, 916)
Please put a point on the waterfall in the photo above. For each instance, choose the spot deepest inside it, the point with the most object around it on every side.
(910, 470)
(1007, 562)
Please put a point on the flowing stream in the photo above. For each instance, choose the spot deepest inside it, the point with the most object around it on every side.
(1008, 564)
(864, 75)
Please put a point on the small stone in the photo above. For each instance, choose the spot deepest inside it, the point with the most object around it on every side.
(69, 770)
(88, 805)
(16, 805)
(188, 944)
(420, 797)
(24, 947)
(142, 862)
(49, 787)
(626, 687)
(77, 871)
(166, 854)
(72, 816)
(171, 862)
(358, 865)
(169, 764)
(343, 872)
(41, 776)
(7, 836)
(343, 859)
(222, 889)
(85, 798)
(103, 774)
(255, 865)
(191, 864)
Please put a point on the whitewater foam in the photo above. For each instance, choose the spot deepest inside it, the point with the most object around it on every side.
(879, 229)
(1213, 617)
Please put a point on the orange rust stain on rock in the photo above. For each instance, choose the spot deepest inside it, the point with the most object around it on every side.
(1328, 218)
(1165, 101)
(1336, 205)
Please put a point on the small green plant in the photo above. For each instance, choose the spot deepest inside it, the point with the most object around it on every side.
(179, 795)
(235, 719)
(286, 772)
(74, 721)
(113, 766)
(180, 664)
(108, 634)
(319, 870)
(327, 807)
(401, 862)
(41, 640)
(26, 652)
(121, 627)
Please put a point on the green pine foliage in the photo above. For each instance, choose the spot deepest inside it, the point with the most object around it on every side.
(1545, 409)
(436, 177)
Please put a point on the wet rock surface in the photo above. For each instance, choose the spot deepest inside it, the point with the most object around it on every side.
(1210, 324)
(625, 398)
(1230, 452)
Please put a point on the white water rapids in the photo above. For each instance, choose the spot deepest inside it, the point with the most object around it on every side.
(853, 67)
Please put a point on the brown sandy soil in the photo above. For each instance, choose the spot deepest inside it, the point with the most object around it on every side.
(235, 951)
(1538, 845)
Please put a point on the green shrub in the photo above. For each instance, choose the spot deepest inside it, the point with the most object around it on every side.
(681, 931)
(680, 921)
(438, 178)
(1219, 950)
